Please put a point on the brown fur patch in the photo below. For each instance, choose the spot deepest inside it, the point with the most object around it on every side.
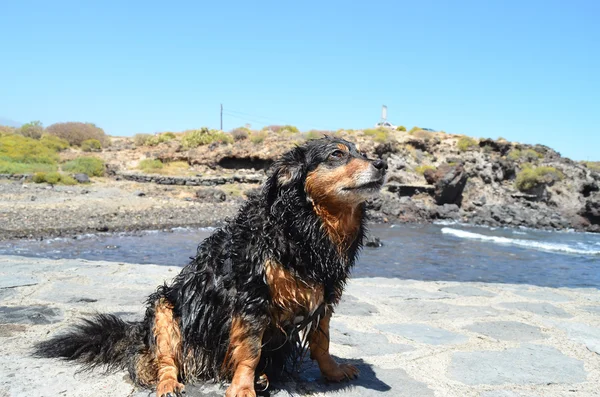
(167, 354)
(319, 339)
(319, 351)
(242, 355)
(343, 147)
(290, 294)
(146, 372)
(340, 217)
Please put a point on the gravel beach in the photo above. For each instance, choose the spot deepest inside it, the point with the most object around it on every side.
(409, 338)
(39, 211)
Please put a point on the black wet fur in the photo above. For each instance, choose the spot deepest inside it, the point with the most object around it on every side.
(226, 279)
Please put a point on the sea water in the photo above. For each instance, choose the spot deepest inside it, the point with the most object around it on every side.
(447, 251)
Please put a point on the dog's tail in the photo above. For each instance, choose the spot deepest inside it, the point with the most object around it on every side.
(104, 340)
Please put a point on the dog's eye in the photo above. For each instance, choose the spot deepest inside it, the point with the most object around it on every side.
(337, 154)
(364, 154)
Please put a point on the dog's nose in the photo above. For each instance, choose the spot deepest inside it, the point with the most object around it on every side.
(380, 164)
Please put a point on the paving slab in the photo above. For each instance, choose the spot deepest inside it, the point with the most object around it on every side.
(507, 330)
(582, 333)
(529, 364)
(364, 344)
(407, 337)
(543, 309)
(424, 333)
(351, 306)
(467, 290)
(592, 309)
(35, 314)
(422, 310)
(543, 295)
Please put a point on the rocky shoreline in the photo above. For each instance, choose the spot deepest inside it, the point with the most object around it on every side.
(430, 178)
(407, 337)
(34, 211)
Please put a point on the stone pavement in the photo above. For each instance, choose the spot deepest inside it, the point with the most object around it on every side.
(409, 338)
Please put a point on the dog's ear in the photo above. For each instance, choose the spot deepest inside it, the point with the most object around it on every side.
(287, 171)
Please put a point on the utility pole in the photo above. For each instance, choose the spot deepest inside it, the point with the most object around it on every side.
(221, 117)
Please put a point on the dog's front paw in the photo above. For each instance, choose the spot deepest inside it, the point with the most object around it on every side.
(341, 372)
(170, 388)
(240, 390)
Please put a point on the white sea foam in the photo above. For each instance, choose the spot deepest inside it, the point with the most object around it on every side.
(552, 247)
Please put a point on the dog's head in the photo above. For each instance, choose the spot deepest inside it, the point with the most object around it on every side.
(330, 171)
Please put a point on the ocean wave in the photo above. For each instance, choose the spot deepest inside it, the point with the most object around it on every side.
(552, 247)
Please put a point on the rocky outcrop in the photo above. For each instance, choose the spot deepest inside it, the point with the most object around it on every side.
(474, 183)
(591, 209)
(499, 146)
(449, 182)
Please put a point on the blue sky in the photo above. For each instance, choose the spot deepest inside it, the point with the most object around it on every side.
(525, 70)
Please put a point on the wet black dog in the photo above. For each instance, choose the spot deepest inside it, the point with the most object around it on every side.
(259, 290)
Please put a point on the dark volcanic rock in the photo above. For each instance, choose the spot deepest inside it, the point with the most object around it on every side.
(211, 195)
(373, 242)
(509, 169)
(446, 211)
(384, 149)
(591, 210)
(418, 144)
(82, 178)
(449, 181)
(498, 146)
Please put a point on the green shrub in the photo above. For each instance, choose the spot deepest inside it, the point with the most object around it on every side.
(91, 145)
(203, 136)
(289, 129)
(54, 178)
(91, 166)
(13, 168)
(33, 130)
(19, 149)
(49, 177)
(149, 165)
(160, 138)
(75, 133)
(379, 135)
(466, 143)
(141, 139)
(530, 177)
(67, 180)
(240, 134)
(401, 128)
(258, 137)
(415, 128)
(592, 165)
(39, 177)
(528, 155)
(422, 168)
(53, 142)
(167, 136)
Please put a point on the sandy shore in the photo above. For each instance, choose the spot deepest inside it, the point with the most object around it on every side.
(409, 338)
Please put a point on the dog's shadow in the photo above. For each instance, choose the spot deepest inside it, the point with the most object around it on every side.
(308, 380)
